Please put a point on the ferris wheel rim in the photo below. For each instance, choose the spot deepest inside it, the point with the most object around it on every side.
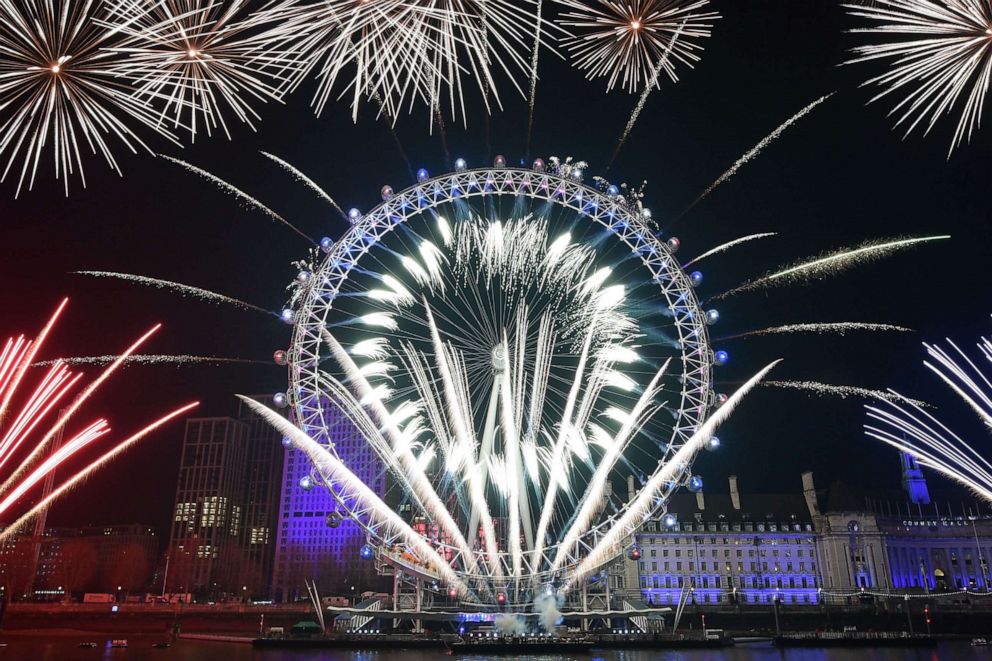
(315, 298)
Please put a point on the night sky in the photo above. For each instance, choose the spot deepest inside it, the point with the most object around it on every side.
(838, 177)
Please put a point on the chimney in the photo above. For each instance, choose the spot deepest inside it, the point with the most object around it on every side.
(735, 495)
(809, 492)
(631, 491)
(700, 501)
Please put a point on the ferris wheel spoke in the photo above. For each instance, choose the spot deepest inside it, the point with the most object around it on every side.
(508, 360)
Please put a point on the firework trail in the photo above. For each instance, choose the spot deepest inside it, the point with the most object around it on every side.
(644, 502)
(662, 62)
(914, 431)
(332, 469)
(726, 246)
(306, 181)
(67, 413)
(442, 133)
(81, 475)
(237, 193)
(533, 76)
(149, 359)
(972, 386)
(753, 152)
(827, 389)
(29, 425)
(840, 327)
(178, 287)
(832, 263)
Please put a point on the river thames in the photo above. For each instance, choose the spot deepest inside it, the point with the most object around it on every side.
(66, 648)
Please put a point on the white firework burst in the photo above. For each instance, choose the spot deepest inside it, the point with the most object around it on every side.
(399, 53)
(904, 424)
(60, 91)
(195, 60)
(940, 52)
(626, 42)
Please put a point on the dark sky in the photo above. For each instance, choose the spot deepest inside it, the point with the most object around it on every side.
(838, 177)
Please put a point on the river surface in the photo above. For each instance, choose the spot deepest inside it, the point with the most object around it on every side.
(65, 648)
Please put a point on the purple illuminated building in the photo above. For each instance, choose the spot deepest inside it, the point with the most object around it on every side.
(313, 541)
(730, 549)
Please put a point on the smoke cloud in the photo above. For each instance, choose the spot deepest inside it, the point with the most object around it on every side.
(509, 625)
(548, 615)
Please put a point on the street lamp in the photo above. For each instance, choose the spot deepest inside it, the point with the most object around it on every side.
(981, 556)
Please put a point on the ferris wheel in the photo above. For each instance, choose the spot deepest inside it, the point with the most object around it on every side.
(520, 351)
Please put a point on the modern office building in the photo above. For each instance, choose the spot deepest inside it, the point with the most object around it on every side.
(206, 553)
(223, 537)
(263, 474)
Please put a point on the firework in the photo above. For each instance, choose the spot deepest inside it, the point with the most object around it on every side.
(81, 475)
(148, 359)
(332, 470)
(178, 287)
(31, 447)
(237, 193)
(306, 181)
(643, 504)
(832, 263)
(904, 424)
(839, 327)
(198, 60)
(752, 153)
(940, 57)
(831, 390)
(60, 92)
(641, 102)
(403, 53)
(624, 42)
(727, 246)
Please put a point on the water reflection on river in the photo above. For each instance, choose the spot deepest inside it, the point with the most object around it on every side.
(66, 648)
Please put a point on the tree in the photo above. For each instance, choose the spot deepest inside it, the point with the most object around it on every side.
(131, 569)
(76, 565)
(16, 567)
